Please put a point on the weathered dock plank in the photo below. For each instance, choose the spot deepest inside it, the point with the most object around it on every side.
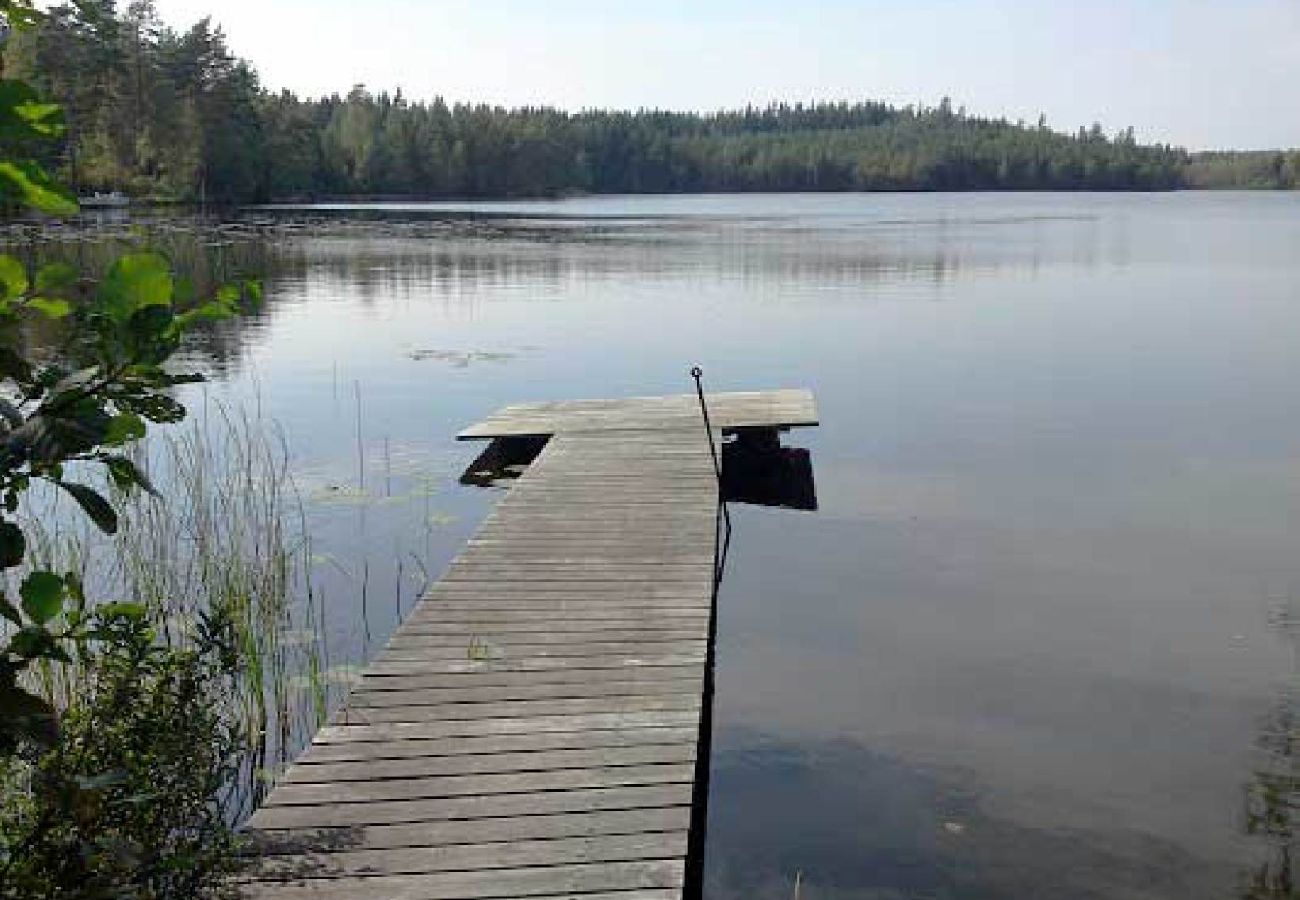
(491, 763)
(346, 816)
(496, 855)
(533, 728)
(531, 881)
(272, 842)
(476, 745)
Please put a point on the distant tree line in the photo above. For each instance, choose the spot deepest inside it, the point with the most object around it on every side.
(1244, 170)
(155, 112)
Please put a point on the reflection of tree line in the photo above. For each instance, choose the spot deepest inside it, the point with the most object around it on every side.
(462, 260)
(470, 267)
(1273, 794)
(461, 266)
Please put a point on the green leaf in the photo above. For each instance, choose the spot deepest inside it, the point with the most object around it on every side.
(135, 281)
(150, 337)
(122, 610)
(150, 324)
(25, 182)
(23, 114)
(12, 545)
(127, 475)
(100, 510)
(123, 428)
(56, 278)
(42, 594)
(228, 296)
(35, 642)
(54, 309)
(45, 119)
(212, 311)
(253, 288)
(13, 278)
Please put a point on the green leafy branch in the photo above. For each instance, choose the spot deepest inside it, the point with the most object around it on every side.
(60, 414)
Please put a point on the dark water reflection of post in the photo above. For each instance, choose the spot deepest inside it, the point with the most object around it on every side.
(1273, 794)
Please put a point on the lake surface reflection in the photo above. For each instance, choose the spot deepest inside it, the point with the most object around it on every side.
(1028, 643)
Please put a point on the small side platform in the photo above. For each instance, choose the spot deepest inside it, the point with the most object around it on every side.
(728, 412)
(533, 728)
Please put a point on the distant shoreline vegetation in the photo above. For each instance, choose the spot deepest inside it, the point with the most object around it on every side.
(176, 116)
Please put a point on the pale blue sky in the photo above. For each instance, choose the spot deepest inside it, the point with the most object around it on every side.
(1200, 73)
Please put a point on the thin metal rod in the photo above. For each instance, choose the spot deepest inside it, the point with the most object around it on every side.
(720, 547)
(698, 374)
(694, 886)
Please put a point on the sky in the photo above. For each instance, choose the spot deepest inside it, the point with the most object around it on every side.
(1195, 73)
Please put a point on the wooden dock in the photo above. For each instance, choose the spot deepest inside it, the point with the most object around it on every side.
(533, 729)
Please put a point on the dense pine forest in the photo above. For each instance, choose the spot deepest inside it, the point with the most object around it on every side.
(176, 115)
(1244, 170)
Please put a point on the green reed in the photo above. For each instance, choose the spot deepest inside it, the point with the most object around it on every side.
(228, 533)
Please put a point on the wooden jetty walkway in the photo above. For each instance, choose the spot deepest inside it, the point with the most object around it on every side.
(533, 728)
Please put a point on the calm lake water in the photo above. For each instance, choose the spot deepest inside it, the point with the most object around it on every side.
(1036, 641)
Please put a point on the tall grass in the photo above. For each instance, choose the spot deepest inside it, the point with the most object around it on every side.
(227, 533)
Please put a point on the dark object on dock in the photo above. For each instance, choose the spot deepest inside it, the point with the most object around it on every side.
(534, 728)
(503, 460)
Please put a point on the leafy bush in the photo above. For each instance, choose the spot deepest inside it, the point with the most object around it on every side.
(127, 801)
